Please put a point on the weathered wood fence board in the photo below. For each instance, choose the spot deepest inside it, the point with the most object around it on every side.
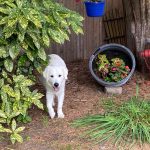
(115, 27)
(82, 46)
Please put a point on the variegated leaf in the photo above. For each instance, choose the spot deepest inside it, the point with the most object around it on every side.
(15, 114)
(26, 82)
(77, 29)
(4, 74)
(3, 52)
(4, 10)
(55, 35)
(12, 138)
(45, 37)
(8, 65)
(9, 90)
(17, 94)
(12, 22)
(38, 66)
(35, 40)
(1, 82)
(29, 55)
(3, 96)
(64, 34)
(42, 54)
(2, 129)
(18, 138)
(2, 114)
(15, 106)
(10, 3)
(25, 45)
(2, 120)
(35, 20)
(4, 20)
(23, 22)
(14, 51)
(19, 3)
(21, 36)
(20, 129)
(18, 79)
(13, 125)
(38, 104)
(8, 31)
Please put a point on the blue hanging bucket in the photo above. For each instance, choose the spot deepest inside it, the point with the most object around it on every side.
(95, 9)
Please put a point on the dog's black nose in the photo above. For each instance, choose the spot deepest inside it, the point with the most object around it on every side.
(56, 84)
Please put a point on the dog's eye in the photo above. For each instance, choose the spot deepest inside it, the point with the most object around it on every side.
(59, 76)
(52, 76)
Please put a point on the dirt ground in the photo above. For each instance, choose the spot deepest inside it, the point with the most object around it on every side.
(83, 96)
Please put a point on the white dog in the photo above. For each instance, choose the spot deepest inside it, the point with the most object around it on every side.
(55, 75)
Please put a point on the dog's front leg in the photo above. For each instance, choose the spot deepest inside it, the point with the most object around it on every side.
(60, 105)
(50, 101)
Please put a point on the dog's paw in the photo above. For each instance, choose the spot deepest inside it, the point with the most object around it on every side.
(52, 114)
(61, 115)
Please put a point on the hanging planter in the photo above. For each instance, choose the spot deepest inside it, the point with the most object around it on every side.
(95, 8)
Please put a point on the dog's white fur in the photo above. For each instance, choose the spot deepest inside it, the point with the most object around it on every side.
(55, 72)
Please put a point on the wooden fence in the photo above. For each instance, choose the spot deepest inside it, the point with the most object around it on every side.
(81, 47)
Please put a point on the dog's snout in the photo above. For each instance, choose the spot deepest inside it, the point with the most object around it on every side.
(56, 84)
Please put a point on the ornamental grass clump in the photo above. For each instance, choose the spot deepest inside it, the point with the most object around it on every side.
(128, 123)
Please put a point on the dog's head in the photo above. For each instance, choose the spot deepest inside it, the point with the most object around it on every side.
(55, 76)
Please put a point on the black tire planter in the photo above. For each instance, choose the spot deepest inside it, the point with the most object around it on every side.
(112, 51)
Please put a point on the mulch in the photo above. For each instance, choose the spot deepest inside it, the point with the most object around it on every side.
(83, 96)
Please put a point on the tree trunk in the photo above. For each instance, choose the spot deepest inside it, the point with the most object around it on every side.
(138, 21)
(138, 25)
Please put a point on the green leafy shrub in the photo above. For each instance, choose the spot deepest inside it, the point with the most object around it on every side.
(129, 123)
(16, 98)
(26, 28)
(14, 131)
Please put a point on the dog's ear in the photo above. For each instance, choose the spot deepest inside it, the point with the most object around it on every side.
(45, 73)
(65, 72)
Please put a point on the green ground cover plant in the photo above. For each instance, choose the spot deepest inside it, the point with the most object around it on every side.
(126, 123)
(27, 27)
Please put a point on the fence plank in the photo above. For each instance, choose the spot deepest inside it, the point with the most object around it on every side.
(81, 46)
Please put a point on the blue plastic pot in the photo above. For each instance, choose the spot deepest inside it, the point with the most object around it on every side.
(95, 9)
